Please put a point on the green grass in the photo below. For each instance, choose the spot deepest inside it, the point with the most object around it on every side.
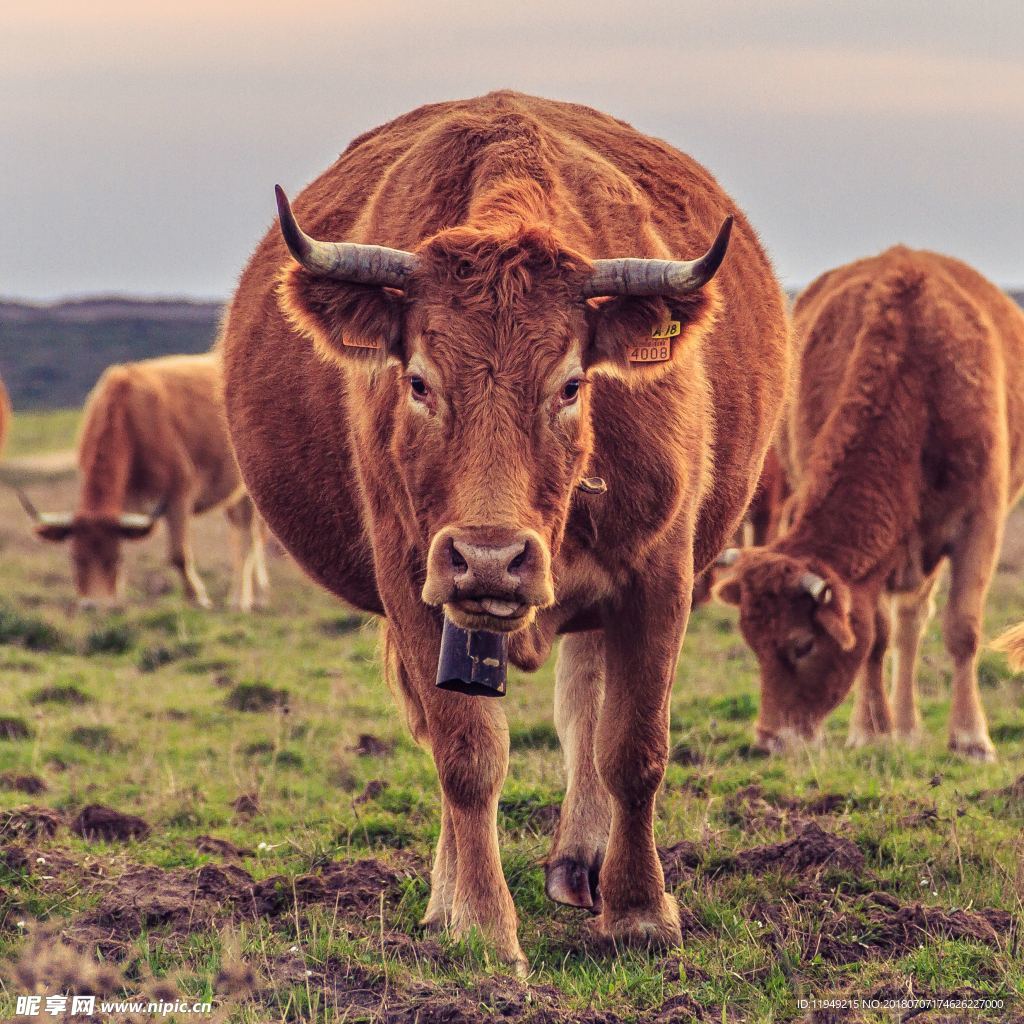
(36, 433)
(172, 714)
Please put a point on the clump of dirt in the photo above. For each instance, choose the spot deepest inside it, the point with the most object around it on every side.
(30, 822)
(373, 789)
(256, 697)
(892, 929)
(185, 899)
(67, 694)
(679, 861)
(12, 728)
(217, 847)
(369, 745)
(30, 784)
(751, 807)
(812, 849)
(156, 657)
(529, 814)
(100, 738)
(686, 756)
(96, 821)
(246, 805)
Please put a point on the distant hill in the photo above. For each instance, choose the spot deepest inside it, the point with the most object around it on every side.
(52, 354)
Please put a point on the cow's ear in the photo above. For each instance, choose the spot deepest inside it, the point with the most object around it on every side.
(54, 532)
(728, 590)
(346, 322)
(834, 616)
(637, 338)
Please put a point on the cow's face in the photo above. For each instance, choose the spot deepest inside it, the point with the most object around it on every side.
(487, 359)
(95, 546)
(810, 632)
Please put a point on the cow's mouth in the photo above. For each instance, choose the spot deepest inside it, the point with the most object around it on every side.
(499, 614)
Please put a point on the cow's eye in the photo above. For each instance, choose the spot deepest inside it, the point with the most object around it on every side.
(418, 386)
(571, 391)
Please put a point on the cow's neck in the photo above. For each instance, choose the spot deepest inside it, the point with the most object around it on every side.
(105, 460)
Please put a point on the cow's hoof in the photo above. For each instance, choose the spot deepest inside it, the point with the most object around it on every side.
(654, 928)
(573, 883)
(858, 738)
(973, 747)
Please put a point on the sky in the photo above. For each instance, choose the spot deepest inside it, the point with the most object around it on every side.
(140, 141)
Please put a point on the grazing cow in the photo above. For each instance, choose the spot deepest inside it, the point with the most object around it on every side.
(154, 442)
(415, 410)
(907, 438)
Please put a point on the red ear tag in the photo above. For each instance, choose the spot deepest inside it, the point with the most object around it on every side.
(659, 348)
(358, 343)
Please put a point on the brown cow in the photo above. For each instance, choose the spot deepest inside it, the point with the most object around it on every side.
(153, 438)
(908, 442)
(414, 423)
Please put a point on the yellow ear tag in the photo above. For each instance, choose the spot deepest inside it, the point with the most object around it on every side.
(358, 343)
(659, 349)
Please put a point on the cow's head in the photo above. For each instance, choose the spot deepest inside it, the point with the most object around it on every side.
(496, 337)
(95, 543)
(810, 630)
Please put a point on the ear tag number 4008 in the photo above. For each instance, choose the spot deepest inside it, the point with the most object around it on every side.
(659, 348)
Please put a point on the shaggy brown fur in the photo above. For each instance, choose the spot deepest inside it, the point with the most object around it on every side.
(907, 440)
(506, 199)
(153, 437)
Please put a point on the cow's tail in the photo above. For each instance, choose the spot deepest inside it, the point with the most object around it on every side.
(1011, 643)
(401, 685)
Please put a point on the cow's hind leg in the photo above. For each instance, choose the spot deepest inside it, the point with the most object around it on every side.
(913, 611)
(872, 716)
(972, 562)
(577, 851)
(247, 588)
(178, 515)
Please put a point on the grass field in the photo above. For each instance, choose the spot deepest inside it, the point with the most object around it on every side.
(277, 860)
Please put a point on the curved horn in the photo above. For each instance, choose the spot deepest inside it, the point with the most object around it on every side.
(343, 261)
(727, 558)
(658, 277)
(816, 587)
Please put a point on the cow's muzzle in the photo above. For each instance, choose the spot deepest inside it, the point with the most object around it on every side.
(487, 577)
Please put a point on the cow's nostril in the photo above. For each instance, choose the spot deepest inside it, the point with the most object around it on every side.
(518, 562)
(458, 562)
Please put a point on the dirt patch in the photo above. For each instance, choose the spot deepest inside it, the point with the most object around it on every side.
(373, 789)
(679, 861)
(812, 849)
(69, 694)
(182, 900)
(246, 806)
(215, 847)
(30, 822)
(256, 697)
(751, 807)
(30, 784)
(369, 745)
(889, 928)
(14, 728)
(96, 821)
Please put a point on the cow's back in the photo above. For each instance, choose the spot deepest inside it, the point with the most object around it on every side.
(955, 341)
(615, 192)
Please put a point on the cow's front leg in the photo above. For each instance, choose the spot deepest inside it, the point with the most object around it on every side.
(642, 641)
(468, 737)
(469, 740)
